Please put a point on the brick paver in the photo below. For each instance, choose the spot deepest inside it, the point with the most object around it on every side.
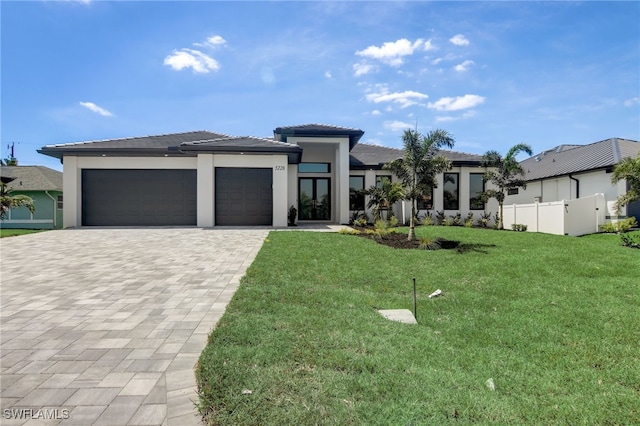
(104, 326)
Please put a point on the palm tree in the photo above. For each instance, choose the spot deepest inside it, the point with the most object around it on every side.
(507, 174)
(8, 201)
(383, 197)
(628, 169)
(419, 165)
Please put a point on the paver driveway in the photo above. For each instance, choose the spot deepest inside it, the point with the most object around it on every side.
(104, 326)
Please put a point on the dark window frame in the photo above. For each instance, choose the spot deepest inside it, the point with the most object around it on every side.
(455, 198)
(356, 201)
(59, 202)
(482, 205)
(426, 203)
(327, 165)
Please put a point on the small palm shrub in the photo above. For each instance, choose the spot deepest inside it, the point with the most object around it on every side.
(440, 217)
(429, 244)
(483, 220)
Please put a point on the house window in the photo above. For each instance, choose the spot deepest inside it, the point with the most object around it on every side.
(381, 179)
(425, 202)
(59, 202)
(356, 196)
(314, 168)
(476, 188)
(451, 191)
(512, 191)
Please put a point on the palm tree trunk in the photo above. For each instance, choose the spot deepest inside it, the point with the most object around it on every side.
(501, 221)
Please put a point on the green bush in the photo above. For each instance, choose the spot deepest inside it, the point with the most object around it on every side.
(519, 227)
(620, 227)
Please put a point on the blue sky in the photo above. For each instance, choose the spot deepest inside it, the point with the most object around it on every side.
(492, 73)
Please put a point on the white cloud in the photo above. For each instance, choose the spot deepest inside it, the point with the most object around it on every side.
(189, 58)
(459, 40)
(404, 99)
(457, 103)
(95, 108)
(397, 125)
(327, 74)
(429, 46)
(362, 69)
(376, 112)
(463, 66)
(216, 40)
(212, 42)
(392, 52)
(632, 102)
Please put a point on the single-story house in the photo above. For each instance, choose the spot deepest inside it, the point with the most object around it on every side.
(210, 179)
(44, 186)
(569, 172)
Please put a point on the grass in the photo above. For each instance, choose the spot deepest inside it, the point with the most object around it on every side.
(552, 320)
(13, 232)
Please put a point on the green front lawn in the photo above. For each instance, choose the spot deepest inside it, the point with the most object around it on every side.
(553, 321)
(14, 232)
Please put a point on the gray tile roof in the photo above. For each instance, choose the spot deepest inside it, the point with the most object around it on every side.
(248, 144)
(147, 144)
(32, 178)
(374, 156)
(566, 159)
(281, 133)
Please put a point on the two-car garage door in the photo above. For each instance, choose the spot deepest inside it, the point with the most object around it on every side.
(133, 197)
(161, 197)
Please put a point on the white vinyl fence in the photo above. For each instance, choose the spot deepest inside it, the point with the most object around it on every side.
(567, 217)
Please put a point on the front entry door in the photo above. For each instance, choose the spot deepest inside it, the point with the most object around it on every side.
(314, 201)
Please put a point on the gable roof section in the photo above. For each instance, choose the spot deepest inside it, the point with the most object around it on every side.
(365, 156)
(144, 145)
(566, 159)
(282, 133)
(248, 144)
(32, 178)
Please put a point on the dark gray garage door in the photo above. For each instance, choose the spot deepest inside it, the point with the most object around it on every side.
(244, 196)
(138, 197)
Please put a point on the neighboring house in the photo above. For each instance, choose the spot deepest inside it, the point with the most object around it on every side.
(211, 179)
(569, 172)
(44, 186)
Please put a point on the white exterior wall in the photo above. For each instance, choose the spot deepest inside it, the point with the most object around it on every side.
(564, 188)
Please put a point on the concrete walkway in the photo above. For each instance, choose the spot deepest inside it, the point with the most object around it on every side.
(104, 326)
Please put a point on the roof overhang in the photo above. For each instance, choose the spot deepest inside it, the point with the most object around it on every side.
(293, 153)
(354, 135)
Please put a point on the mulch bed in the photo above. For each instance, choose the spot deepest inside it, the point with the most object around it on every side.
(399, 240)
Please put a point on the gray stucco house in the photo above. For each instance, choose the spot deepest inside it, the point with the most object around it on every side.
(207, 179)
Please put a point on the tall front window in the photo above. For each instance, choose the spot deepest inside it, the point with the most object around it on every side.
(425, 202)
(451, 191)
(380, 180)
(476, 188)
(356, 197)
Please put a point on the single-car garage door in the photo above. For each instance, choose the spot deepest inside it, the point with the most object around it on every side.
(244, 196)
(149, 197)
